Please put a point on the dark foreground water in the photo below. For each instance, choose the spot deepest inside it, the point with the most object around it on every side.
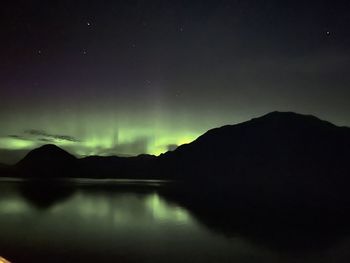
(132, 221)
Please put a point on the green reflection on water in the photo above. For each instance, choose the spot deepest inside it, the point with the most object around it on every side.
(162, 210)
(126, 208)
(13, 206)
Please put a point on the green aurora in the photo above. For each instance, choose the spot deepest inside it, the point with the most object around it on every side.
(132, 77)
(105, 133)
(101, 134)
(98, 137)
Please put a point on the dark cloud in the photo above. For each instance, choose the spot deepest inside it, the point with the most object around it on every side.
(35, 132)
(44, 136)
(46, 140)
(14, 136)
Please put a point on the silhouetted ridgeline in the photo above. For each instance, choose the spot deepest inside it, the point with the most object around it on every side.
(283, 144)
(50, 161)
(279, 154)
(280, 143)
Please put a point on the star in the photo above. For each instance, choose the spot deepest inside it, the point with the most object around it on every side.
(84, 52)
(88, 23)
(39, 52)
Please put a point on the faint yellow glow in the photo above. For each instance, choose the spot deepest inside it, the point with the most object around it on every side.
(162, 143)
(186, 139)
(2, 260)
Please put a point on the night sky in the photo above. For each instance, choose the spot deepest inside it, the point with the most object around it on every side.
(131, 77)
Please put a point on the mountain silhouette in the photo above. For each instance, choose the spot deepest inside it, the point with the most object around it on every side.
(277, 149)
(48, 161)
(279, 142)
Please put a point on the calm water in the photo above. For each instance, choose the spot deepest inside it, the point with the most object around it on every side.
(127, 221)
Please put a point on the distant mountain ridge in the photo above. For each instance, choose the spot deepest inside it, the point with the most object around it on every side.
(278, 144)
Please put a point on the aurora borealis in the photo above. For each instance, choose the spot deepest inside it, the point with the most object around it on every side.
(132, 77)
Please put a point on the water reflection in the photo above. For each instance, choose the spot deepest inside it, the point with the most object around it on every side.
(45, 193)
(163, 211)
(13, 206)
(148, 224)
(122, 208)
(286, 229)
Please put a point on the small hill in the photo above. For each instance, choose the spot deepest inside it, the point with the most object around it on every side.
(47, 161)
